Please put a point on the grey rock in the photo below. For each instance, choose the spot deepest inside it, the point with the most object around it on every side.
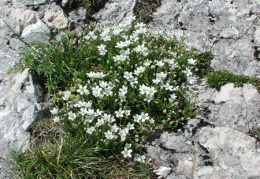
(65, 3)
(255, 9)
(16, 44)
(174, 142)
(19, 18)
(55, 17)
(40, 2)
(229, 93)
(22, 3)
(36, 32)
(257, 37)
(115, 11)
(76, 19)
(221, 27)
(230, 32)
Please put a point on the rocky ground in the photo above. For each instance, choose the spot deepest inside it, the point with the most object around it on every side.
(215, 144)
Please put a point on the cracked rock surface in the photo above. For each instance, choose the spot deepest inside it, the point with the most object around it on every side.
(215, 144)
(229, 29)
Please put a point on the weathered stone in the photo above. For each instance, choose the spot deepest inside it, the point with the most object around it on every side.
(19, 18)
(221, 27)
(36, 32)
(174, 142)
(229, 93)
(115, 11)
(16, 44)
(257, 37)
(55, 17)
(230, 32)
(65, 3)
(211, 172)
(250, 162)
(22, 3)
(222, 139)
(40, 2)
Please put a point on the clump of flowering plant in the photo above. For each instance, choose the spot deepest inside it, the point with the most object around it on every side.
(130, 84)
(113, 83)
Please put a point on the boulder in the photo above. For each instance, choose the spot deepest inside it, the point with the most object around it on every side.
(19, 18)
(55, 17)
(115, 11)
(36, 32)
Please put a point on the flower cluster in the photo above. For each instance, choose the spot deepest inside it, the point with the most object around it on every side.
(134, 86)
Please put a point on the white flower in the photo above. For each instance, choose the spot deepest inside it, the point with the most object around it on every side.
(159, 63)
(55, 111)
(120, 58)
(91, 112)
(130, 126)
(98, 112)
(102, 49)
(148, 98)
(121, 44)
(119, 113)
(162, 171)
(109, 135)
(161, 75)
(108, 91)
(123, 133)
(140, 48)
(151, 91)
(147, 63)
(56, 119)
(127, 112)
(83, 111)
(106, 117)
(103, 84)
(188, 72)
(117, 31)
(80, 104)
(143, 89)
(72, 116)
(128, 75)
(157, 81)
(144, 116)
(114, 128)
(100, 122)
(88, 104)
(123, 89)
(90, 130)
(107, 38)
(66, 95)
(128, 146)
(127, 152)
(83, 90)
(105, 32)
(96, 91)
(136, 118)
(172, 98)
(169, 87)
(191, 61)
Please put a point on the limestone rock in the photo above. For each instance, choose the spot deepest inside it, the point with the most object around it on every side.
(19, 18)
(115, 11)
(222, 27)
(16, 44)
(257, 37)
(36, 32)
(55, 17)
(229, 93)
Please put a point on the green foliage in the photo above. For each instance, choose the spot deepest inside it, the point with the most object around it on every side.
(109, 88)
(55, 154)
(216, 79)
